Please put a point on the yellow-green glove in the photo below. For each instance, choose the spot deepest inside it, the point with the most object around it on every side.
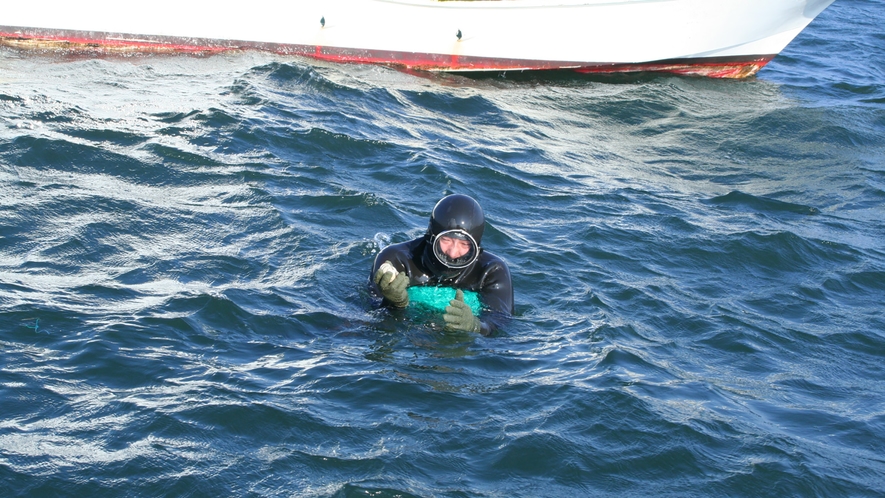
(460, 317)
(393, 287)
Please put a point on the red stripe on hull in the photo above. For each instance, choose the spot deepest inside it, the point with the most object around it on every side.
(73, 41)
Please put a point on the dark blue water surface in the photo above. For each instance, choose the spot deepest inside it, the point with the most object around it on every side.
(699, 269)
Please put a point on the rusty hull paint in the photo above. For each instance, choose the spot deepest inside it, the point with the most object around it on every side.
(731, 69)
(105, 43)
(100, 45)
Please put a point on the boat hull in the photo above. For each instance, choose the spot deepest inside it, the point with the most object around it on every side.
(733, 39)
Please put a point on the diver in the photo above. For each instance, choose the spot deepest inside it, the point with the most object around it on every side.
(448, 261)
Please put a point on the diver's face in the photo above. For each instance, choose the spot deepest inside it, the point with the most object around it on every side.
(454, 248)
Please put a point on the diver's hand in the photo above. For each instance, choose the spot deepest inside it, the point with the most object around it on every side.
(393, 286)
(460, 317)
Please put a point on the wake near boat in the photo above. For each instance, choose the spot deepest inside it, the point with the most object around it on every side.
(721, 38)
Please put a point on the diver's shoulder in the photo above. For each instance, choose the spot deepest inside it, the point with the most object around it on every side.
(490, 260)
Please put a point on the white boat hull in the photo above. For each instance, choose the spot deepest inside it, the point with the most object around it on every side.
(721, 38)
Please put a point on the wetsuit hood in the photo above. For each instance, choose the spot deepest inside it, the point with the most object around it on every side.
(459, 216)
(457, 212)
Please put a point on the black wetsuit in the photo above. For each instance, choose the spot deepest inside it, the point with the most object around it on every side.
(488, 276)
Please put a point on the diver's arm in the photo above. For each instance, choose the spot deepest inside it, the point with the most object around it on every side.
(497, 289)
(497, 297)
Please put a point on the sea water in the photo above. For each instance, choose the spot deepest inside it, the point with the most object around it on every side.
(699, 270)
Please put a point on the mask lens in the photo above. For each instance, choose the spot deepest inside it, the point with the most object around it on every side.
(455, 248)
